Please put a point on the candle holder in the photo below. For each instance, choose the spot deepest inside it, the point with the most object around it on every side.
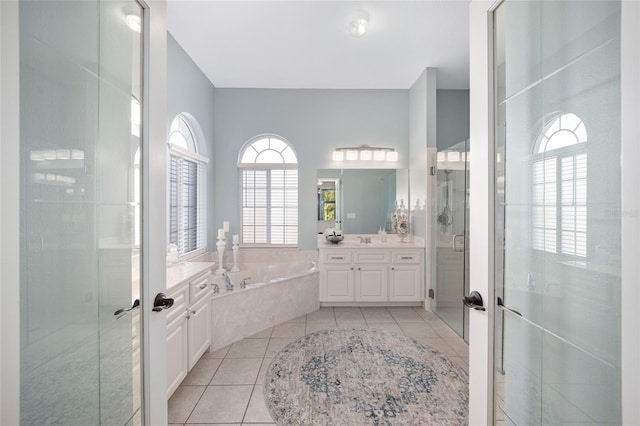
(221, 245)
(236, 249)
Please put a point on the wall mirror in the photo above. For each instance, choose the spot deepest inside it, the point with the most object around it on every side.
(360, 201)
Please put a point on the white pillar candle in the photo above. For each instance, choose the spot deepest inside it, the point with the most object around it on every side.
(225, 226)
(221, 234)
(236, 239)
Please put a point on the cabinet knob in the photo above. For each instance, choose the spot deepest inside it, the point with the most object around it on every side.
(352, 268)
(359, 269)
(393, 269)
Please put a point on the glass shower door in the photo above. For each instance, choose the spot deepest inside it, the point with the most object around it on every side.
(80, 94)
(558, 238)
(451, 236)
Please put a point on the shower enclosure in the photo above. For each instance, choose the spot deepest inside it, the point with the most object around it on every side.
(450, 230)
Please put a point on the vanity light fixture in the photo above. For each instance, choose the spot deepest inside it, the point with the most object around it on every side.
(364, 153)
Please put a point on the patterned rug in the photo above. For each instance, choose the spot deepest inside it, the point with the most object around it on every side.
(364, 377)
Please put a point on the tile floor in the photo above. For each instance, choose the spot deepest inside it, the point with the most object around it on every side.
(226, 386)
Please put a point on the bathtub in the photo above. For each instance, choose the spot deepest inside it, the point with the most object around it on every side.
(274, 293)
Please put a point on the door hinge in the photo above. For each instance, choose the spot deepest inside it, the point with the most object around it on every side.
(432, 171)
(432, 294)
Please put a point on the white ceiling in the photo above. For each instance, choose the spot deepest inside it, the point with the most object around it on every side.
(307, 44)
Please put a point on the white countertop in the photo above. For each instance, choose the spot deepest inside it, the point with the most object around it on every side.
(181, 272)
(352, 241)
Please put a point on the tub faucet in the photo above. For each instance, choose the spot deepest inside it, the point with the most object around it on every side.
(243, 283)
(227, 280)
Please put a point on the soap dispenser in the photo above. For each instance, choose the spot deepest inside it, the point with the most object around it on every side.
(383, 235)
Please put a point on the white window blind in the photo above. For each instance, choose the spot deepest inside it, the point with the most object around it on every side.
(269, 192)
(187, 205)
(270, 206)
(559, 185)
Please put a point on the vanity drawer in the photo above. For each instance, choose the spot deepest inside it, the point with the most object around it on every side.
(337, 257)
(180, 300)
(368, 256)
(199, 287)
(409, 256)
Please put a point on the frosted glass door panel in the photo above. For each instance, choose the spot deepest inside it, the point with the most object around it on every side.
(557, 213)
(80, 363)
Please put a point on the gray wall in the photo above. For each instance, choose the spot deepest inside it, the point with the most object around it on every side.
(315, 122)
(453, 117)
(189, 90)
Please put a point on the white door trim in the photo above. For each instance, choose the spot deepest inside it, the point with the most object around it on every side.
(9, 214)
(630, 210)
(481, 211)
(154, 211)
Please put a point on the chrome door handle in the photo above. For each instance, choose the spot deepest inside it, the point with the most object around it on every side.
(454, 242)
(474, 300)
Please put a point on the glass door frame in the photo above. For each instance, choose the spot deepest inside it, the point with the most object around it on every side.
(481, 364)
(153, 171)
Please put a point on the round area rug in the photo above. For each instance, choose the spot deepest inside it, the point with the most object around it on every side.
(364, 377)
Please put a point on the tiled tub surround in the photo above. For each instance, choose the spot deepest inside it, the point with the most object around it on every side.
(243, 312)
(283, 285)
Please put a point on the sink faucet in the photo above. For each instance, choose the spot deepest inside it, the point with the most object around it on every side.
(366, 240)
(216, 289)
(227, 280)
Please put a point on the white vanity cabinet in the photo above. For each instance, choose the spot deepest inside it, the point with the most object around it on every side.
(405, 277)
(188, 322)
(370, 275)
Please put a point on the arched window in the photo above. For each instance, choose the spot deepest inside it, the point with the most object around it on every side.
(269, 192)
(560, 187)
(187, 191)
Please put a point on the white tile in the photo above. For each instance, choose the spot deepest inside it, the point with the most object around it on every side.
(405, 315)
(222, 404)
(264, 334)
(438, 344)
(237, 371)
(257, 412)
(415, 329)
(377, 316)
(182, 402)
(352, 324)
(426, 315)
(313, 326)
(288, 330)
(348, 314)
(263, 370)
(388, 326)
(275, 345)
(322, 314)
(458, 345)
(220, 353)
(248, 348)
(202, 372)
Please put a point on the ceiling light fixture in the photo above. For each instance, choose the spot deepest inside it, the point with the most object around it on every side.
(364, 153)
(359, 23)
(359, 27)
